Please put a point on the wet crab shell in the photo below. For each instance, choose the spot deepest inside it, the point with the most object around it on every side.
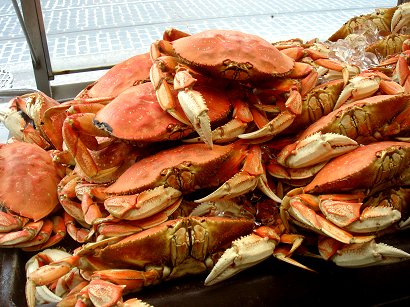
(363, 168)
(136, 115)
(28, 180)
(213, 50)
(194, 166)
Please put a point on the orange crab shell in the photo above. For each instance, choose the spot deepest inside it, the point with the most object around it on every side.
(213, 50)
(192, 166)
(379, 110)
(136, 115)
(358, 169)
(120, 77)
(28, 180)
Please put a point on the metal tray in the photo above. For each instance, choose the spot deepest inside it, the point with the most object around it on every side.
(271, 283)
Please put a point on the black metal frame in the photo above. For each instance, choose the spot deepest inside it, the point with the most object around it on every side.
(33, 29)
(32, 23)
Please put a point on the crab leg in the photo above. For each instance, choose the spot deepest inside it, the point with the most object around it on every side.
(334, 65)
(365, 85)
(249, 251)
(76, 144)
(35, 105)
(305, 104)
(42, 236)
(90, 209)
(132, 280)
(368, 254)
(403, 70)
(381, 211)
(315, 149)
(33, 264)
(67, 195)
(280, 122)
(27, 233)
(163, 90)
(242, 115)
(244, 253)
(400, 18)
(224, 134)
(374, 219)
(21, 130)
(301, 174)
(57, 233)
(193, 105)
(11, 222)
(113, 227)
(344, 210)
(307, 217)
(252, 175)
(191, 101)
(99, 293)
(359, 87)
(80, 235)
(46, 274)
(143, 205)
(171, 34)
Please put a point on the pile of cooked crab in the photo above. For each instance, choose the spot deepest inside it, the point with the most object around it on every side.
(209, 154)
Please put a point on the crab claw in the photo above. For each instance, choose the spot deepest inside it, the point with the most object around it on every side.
(315, 149)
(196, 110)
(366, 85)
(359, 87)
(368, 254)
(252, 175)
(144, 204)
(400, 18)
(280, 122)
(42, 292)
(51, 272)
(244, 253)
(103, 293)
(375, 219)
(308, 218)
(194, 106)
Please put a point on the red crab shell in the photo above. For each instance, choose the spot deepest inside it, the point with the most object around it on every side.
(362, 168)
(196, 164)
(248, 56)
(28, 180)
(136, 115)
